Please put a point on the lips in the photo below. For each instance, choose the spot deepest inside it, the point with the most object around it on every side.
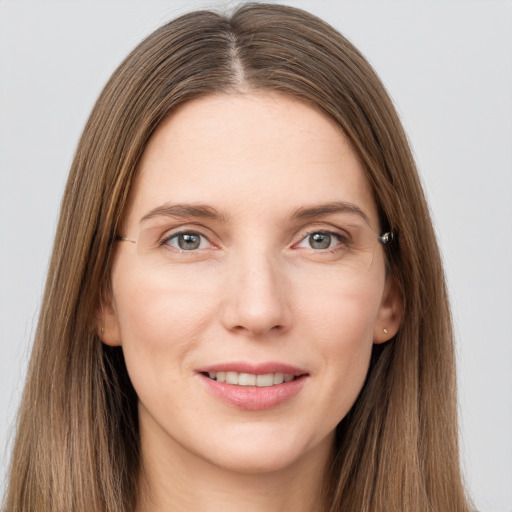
(253, 387)
(251, 379)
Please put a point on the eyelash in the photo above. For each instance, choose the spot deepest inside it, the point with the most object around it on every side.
(343, 240)
(167, 238)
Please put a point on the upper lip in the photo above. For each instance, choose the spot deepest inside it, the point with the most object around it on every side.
(255, 369)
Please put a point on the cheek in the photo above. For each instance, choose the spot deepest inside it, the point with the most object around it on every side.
(340, 323)
(152, 315)
(342, 315)
(160, 322)
(344, 341)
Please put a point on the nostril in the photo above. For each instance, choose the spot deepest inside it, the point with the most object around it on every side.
(258, 329)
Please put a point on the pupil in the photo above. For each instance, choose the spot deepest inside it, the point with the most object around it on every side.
(188, 242)
(319, 240)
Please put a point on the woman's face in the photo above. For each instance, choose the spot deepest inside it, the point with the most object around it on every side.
(253, 258)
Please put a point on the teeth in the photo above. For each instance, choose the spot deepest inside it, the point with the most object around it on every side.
(249, 379)
(231, 378)
(263, 381)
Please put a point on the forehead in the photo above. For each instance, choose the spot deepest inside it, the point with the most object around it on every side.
(249, 154)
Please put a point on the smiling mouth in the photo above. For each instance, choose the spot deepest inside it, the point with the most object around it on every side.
(251, 379)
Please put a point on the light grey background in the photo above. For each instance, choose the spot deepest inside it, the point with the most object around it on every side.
(448, 67)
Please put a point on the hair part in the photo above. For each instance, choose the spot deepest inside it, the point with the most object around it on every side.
(77, 443)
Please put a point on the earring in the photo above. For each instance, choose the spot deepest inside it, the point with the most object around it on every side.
(102, 330)
(385, 331)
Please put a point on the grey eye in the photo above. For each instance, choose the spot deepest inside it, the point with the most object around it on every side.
(187, 241)
(320, 240)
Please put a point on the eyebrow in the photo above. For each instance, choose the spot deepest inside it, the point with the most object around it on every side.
(185, 210)
(315, 211)
(209, 212)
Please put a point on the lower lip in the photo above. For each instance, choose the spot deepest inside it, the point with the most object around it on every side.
(254, 398)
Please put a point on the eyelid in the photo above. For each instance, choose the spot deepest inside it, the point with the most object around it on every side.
(194, 229)
(321, 227)
(215, 243)
(338, 236)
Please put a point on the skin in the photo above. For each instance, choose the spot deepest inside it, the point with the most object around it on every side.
(254, 291)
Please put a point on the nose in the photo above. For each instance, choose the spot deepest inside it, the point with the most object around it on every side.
(256, 298)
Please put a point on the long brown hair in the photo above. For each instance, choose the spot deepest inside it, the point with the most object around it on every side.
(77, 444)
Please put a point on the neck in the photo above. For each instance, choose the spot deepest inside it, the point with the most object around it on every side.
(175, 480)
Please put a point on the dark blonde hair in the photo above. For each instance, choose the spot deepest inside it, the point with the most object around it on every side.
(77, 444)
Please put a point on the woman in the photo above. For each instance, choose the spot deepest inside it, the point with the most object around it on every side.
(245, 302)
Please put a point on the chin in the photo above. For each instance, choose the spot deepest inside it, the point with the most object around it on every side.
(268, 454)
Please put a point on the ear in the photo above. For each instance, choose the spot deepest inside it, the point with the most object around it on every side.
(390, 313)
(107, 323)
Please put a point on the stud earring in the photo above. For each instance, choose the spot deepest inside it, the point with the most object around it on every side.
(385, 331)
(102, 330)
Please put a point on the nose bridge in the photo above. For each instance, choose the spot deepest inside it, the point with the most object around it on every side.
(256, 299)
